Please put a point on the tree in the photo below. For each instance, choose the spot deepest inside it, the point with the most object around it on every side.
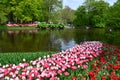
(21, 11)
(50, 8)
(92, 13)
(113, 20)
(81, 17)
(27, 10)
(24, 11)
(99, 12)
(3, 14)
(67, 15)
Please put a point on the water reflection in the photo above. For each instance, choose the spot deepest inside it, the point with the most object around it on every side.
(21, 31)
(68, 45)
(34, 40)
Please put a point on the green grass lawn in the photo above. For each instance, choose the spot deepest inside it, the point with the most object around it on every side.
(16, 58)
(21, 28)
(17, 27)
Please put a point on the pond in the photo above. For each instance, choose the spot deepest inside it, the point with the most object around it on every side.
(56, 40)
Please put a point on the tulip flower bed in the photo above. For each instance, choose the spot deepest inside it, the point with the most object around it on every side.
(55, 66)
(107, 66)
(87, 61)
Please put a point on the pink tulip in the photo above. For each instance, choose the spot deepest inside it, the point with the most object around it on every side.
(84, 66)
(74, 67)
(66, 73)
(6, 72)
(53, 78)
(59, 72)
(46, 65)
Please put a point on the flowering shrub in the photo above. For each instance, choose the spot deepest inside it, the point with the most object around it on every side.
(51, 67)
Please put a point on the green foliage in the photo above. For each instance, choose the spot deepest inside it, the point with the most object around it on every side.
(3, 18)
(23, 11)
(3, 14)
(98, 21)
(52, 26)
(114, 16)
(67, 15)
(61, 26)
(81, 17)
(44, 25)
(97, 13)
(92, 13)
(50, 9)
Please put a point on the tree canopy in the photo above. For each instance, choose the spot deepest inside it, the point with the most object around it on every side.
(67, 15)
(98, 13)
(92, 13)
(114, 16)
(22, 11)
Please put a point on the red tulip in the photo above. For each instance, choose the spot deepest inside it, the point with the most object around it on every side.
(74, 78)
(103, 78)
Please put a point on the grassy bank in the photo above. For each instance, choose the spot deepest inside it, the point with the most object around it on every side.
(16, 58)
(22, 28)
(17, 28)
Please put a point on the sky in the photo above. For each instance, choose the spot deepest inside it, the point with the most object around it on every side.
(74, 4)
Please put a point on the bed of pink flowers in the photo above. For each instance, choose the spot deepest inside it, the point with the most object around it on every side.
(32, 24)
(51, 67)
